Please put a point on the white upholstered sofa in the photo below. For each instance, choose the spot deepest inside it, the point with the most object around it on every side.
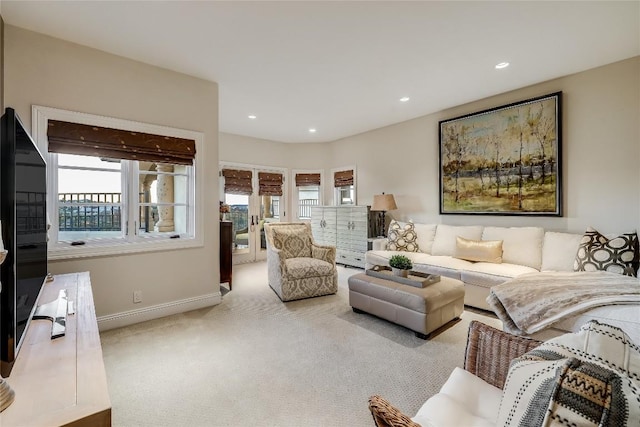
(586, 378)
(524, 250)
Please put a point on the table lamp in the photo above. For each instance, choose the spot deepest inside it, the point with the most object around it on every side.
(383, 203)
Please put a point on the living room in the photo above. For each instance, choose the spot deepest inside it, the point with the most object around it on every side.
(600, 148)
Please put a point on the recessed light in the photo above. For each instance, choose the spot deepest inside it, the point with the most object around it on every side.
(252, 116)
(312, 130)
(404, 99)
(502, 65)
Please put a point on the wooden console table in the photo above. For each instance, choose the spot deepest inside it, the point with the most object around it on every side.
(62, 381)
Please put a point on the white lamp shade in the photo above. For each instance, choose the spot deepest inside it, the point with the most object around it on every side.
(383, 202)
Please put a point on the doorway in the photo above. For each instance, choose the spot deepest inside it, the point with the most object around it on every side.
(255, 196)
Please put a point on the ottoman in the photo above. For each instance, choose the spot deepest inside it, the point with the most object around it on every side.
(423, 310)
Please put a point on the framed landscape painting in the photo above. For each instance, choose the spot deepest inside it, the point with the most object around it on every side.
(503, 161)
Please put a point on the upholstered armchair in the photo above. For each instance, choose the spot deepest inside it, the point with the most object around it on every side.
(298, 268)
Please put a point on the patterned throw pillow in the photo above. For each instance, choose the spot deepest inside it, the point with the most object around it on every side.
(292, 240)
(402, 238)
(617, 255)
(582, 379)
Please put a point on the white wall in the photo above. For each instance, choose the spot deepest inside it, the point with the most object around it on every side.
(601, 153)
(601, 149)
(50, 72)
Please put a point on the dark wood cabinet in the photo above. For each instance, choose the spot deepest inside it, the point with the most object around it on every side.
(226, 250)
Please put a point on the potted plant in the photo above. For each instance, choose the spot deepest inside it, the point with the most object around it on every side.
(400, 265)
(224, 210)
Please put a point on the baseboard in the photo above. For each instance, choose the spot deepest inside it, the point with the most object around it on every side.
(126, 318)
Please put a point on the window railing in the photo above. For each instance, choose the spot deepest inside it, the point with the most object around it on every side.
(98, 212)
(240, 216)
(89, 212)
(304, 208)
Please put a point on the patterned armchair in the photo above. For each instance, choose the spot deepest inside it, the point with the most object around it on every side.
(298, 268)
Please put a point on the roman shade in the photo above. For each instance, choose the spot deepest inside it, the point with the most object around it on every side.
(88, 140)
(343, 178)
(237, 181)
(307, 179)
(269, 184)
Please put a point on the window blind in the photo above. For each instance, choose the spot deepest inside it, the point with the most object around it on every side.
(87, 140)
(270, 184)
(343, 178)
(307, 179)
(237, 181)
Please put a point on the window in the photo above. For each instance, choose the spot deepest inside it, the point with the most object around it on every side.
(308, 192)
(163, 191)
(90, 201)
(110, 201)
(345, 188)
(270, 192)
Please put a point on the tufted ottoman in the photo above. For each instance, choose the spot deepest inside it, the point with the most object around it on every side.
(422, 310)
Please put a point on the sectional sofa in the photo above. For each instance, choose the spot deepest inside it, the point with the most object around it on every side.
(524, 250)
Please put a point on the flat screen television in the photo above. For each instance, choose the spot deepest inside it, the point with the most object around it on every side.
(23, 215)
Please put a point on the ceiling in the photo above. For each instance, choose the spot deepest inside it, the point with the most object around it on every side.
(341, 67)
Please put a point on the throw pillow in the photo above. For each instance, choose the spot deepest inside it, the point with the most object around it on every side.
(588, 378)
(479, 250)
(324, 253)
(402, 238)
(292, 239)
(617, 255)
(444, 242)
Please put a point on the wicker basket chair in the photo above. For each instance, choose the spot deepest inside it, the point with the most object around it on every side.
(488, 355)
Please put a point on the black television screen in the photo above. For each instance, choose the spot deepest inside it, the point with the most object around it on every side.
(23, 212)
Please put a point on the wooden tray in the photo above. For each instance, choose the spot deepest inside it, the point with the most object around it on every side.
(416, 279)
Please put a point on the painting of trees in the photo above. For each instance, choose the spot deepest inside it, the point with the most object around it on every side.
(503, 161)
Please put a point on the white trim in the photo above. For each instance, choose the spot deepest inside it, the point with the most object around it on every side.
(40, 116)
(122, 247)
(125, 318)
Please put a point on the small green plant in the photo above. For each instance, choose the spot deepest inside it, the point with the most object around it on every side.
(401, 262)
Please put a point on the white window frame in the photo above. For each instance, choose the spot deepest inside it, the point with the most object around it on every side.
(131, 242)
(52, 160)
(336, 191)
(295, 200)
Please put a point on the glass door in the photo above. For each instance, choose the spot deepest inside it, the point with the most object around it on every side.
(255, 197)
(269, 211)
(239, 215)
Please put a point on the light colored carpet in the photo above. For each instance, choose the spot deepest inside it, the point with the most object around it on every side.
(255, 361)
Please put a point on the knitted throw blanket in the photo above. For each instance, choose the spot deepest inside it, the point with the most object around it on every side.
(587, 379)
(534, 301)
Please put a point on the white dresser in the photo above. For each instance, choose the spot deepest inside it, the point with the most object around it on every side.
(323, 225)
(348, 228)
